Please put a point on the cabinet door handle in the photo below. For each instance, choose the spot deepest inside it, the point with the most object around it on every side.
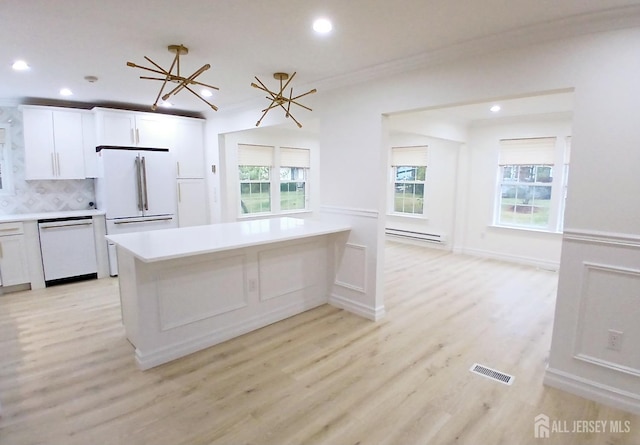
(133, 140)
(58, 164)
(53, 164)
(137, 136)
(179, 192)
(178, 167)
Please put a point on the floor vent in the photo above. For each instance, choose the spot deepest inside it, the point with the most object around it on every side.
(492, 374)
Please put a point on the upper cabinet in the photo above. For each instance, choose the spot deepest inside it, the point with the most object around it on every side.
(188, 147)
(53, 140)
(133, 129)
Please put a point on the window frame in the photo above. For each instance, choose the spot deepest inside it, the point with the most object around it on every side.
(276, 180)
(409, 157)
(559, 173)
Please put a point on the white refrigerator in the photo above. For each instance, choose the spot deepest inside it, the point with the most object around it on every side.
(136, 189)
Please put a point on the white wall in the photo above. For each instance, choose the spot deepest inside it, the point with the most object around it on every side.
(481, 237)
(440, 190)
(603, 215)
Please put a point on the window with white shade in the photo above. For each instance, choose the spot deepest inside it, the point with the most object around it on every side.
(273, 179)
(526, 195)
(409, 175)
(294, 168)
(254, 168)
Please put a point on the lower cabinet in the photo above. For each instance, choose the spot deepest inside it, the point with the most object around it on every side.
(14, 268)
(192, 202)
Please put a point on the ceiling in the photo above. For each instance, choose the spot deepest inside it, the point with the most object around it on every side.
(65, 40)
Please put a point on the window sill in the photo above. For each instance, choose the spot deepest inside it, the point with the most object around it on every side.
(272, 215)
(408, 216)
(525, 229)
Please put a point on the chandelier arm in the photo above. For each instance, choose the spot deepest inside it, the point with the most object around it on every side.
(274, 104)
(168, 72)
(289, 102)
(195, 82)
(264, 88)
(300, 105)
(133, 65)
(305, 94)
(185, 81)
(259, 87)
(291, 116)
(264, 113)
(202, 99)
(288, 82)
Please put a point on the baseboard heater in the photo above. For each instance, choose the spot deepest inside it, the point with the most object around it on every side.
(421, 236)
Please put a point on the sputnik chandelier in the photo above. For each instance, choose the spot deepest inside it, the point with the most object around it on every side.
(277, 99)
(170, 77)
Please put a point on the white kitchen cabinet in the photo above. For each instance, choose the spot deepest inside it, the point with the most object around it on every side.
(188, 147)
(53, 141)
(14, 268)
(89, 145)
(192, 202)
(133, 129)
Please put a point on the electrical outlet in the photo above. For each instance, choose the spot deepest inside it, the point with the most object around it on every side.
(615, 340)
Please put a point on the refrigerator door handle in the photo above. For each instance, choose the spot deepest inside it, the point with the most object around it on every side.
(139, 182)
(144, 184)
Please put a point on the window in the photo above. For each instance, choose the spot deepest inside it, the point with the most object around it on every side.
(409, 169)
(261, 190)
(526, 197)
(6, 182)
(254, 165)
(294, 166)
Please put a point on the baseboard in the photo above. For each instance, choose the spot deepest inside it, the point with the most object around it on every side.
(357, 308)
(591, 390)
(536, 262)
(149, 359)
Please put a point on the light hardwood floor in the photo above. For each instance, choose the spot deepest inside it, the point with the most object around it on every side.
(67, 374)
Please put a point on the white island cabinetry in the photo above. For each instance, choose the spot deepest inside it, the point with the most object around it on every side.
(185, 289)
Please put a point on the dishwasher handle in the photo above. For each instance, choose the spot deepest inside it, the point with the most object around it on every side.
(63, 225)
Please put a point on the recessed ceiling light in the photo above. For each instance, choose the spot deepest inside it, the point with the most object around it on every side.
(495, 108)
(66, 92)
(20, 65)
(206, 93)
(166, 104)
(322, 26)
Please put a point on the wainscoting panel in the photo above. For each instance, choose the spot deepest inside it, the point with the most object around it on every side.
(608, 291)
(218, 286)
(298, 262)
(352, 272)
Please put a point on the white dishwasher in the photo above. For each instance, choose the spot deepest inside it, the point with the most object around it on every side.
(68, 249)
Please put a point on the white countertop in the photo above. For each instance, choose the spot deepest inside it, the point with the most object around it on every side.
(159, 245)
(49, 215)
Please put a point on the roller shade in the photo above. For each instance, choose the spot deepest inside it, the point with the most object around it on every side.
(410, 156)
(534, 151)
(255, 155)
(295, 157)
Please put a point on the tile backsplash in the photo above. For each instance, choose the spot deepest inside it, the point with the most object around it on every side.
(38, 196)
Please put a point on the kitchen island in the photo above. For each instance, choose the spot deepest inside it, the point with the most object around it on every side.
(185, 289)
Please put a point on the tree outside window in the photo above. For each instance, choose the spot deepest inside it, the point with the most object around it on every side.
(255, 189)
(409, 189)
